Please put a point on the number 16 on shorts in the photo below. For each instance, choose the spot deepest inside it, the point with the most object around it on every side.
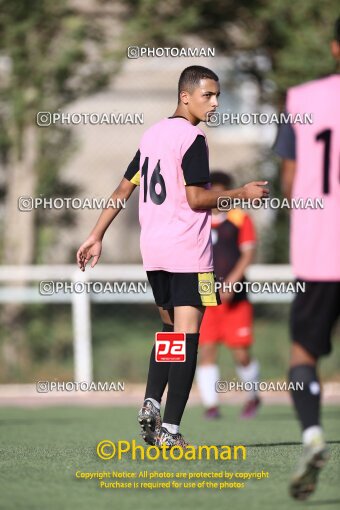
(170, 347)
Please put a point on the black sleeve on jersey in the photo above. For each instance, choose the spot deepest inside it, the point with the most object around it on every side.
(284, 145)
(195, 163)
(133, 167)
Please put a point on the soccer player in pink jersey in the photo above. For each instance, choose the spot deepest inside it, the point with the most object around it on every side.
(172, 169)
(311, 169)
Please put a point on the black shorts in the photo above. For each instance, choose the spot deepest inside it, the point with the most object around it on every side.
(313, 316)
(183, 289)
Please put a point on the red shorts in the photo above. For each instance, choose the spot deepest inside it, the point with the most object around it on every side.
(228, 324)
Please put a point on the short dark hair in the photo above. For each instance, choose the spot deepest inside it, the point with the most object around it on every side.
(337, 30)
(219, 177)
(191, 76)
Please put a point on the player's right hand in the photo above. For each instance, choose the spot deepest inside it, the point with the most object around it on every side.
(91, 248)
(254, 190)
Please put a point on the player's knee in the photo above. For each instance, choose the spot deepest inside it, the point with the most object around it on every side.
(305, 375)
(300, 356)
(242, 357)
(207, 355)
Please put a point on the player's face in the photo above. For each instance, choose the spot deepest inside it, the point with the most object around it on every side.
(335, 49)
(204, 99)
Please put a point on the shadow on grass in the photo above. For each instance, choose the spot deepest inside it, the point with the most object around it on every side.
(275, 416)
(265, 445)
(289, 415)
(25, 421)
(325, 502)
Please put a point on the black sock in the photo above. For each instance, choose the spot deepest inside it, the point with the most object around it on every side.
(158, 373)
(306, 401)
(181, 376)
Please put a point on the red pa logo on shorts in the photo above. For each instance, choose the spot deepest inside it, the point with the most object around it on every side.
(170, 347)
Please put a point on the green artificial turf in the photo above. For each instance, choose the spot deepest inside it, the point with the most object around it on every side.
(41, 450)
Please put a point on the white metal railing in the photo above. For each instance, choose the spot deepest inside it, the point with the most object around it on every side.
(81, 302)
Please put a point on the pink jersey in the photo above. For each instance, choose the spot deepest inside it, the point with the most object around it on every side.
(174, 237)
(315, 233)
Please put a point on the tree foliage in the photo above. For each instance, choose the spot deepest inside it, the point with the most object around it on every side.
(51, 55)
(294, 35)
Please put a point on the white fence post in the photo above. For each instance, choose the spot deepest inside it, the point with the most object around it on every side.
(81, 321)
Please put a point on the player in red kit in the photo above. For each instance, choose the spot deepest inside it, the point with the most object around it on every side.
(231, 323)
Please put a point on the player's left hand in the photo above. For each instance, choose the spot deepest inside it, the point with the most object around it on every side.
(92, 248)
(226, 296)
